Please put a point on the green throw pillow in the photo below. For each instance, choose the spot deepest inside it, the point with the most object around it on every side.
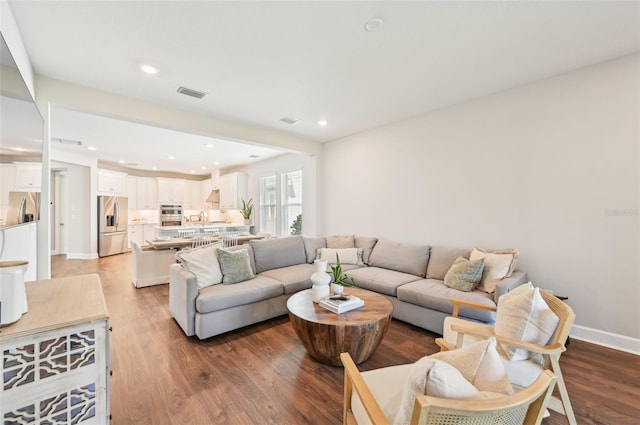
(235, 265)
(464, 275)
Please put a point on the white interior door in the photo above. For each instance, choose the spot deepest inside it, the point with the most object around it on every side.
(59, 199)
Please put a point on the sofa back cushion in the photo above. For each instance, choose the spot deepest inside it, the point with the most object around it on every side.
(275, 253)
(312, 245)
(401, 257)
(339, 242)
(441, 259)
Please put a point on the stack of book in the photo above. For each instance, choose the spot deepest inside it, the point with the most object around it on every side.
(339, 304)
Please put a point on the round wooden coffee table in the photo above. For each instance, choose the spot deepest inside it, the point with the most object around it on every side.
(326, 334)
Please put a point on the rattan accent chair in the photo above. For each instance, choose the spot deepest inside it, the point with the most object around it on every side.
(459, 332)
(524, 407)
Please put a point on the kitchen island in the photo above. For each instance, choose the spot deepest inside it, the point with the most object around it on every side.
(167, 232)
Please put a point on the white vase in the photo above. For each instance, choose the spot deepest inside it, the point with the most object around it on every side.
(337, 289)
(320, 280)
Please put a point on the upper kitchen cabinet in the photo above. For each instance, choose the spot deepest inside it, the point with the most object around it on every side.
(28, 176)
(147, 193)
(112, 183)
(132, 192)
(170, 191)
(233, 189)
(193, 199)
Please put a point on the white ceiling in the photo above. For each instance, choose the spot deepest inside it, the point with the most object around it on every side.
(260, 61)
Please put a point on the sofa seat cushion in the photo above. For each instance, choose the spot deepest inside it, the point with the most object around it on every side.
(293, 278)
(383, 281)
(220, 297)
(433, 294)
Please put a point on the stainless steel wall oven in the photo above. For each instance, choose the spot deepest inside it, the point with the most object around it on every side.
(171, 215)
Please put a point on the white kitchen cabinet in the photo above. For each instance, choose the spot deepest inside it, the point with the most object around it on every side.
(147, 193)
(112, 183)
(132, 192)
(56, 363)
(28, 176)
(193, 199)
(149, 232)
(233, 189)
(7, 184)
(170, 191)
(133, 234)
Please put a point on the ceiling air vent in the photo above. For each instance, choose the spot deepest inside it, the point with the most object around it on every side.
(191, 92)
(254, 156)
(290, 120)
(70, 142)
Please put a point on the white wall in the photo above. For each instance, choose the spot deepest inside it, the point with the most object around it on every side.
(550, 169)
(283, 164)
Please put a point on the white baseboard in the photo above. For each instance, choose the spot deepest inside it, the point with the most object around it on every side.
(73, 256)
(606, 339)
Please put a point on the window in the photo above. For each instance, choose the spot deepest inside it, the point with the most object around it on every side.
(281, 203)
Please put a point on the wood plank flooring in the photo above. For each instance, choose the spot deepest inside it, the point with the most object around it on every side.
(261, 374)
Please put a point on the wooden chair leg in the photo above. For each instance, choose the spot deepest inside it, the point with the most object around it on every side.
(562, 388)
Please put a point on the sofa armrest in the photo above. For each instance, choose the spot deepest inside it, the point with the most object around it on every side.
(505, 285)
(183, 290)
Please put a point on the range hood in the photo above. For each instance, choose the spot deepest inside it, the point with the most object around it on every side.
(214, 197)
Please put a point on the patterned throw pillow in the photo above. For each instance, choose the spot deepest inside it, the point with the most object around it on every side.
(497, 266)
(235, 265)
(464, 275)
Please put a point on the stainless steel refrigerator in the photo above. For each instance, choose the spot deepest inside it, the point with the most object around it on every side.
(23, 207)
(112, 225)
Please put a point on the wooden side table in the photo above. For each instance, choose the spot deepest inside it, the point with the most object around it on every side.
(326, 334)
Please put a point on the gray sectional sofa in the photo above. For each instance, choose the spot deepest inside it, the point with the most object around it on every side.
(409, 275)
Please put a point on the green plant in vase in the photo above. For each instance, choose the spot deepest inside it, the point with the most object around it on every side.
(247, 210)
(339, 279)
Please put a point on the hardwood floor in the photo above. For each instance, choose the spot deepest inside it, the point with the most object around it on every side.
(261, 374)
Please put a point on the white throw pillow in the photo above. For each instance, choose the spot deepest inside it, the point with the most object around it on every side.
(202, 262)
(480, 364)
(347, 255)
(497, 266)
(523, 315)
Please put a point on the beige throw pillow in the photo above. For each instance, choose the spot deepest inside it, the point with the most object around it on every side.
(524, 315)
(339, 242)
(497, 266)
(464, 275)
(203, 263)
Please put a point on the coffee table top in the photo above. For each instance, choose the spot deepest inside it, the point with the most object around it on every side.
(375, 307)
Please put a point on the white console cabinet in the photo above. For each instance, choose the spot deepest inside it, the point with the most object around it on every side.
(55, 366)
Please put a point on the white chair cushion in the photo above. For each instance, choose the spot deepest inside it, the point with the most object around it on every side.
(523, 315)
(387, 385)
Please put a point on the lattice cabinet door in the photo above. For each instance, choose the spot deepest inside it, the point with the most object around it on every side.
(57, 377)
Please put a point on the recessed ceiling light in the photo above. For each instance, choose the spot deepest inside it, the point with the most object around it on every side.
(202, 167)
(154, 168)
(121, 161)
(192, 172)
(149, 69)
(216, 163)
(91, 148)
(322, 123)
(209, 145)
(373, 24)
(172, 157)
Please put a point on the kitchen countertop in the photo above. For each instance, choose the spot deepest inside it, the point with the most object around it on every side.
(201, 225)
